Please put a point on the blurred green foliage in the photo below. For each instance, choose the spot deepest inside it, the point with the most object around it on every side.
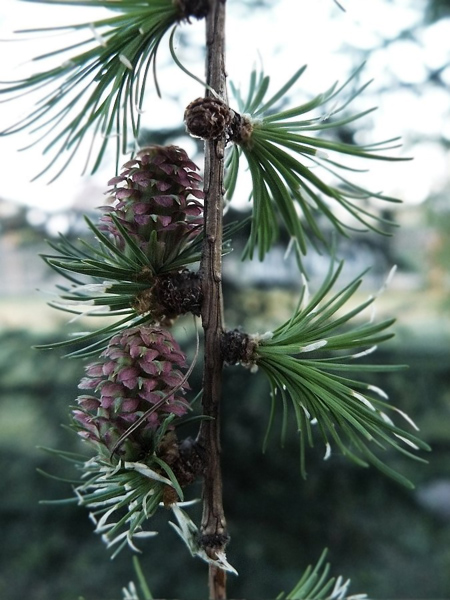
(377, 532)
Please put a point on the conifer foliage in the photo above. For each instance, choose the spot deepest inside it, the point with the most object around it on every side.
(157, 255)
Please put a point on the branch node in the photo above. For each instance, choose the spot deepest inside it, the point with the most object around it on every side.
(213, 543)
(186, 459)
(179, 293)
(238, 347)
(171, 295)
(192, 8)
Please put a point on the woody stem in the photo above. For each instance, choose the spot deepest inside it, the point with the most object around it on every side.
(214, 535)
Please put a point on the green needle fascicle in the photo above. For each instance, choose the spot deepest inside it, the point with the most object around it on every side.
(298, 176)
(307, 361)
(96, 94)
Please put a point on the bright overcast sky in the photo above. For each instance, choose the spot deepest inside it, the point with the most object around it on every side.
(294, 33)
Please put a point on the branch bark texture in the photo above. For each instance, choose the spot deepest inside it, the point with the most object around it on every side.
(214, 535)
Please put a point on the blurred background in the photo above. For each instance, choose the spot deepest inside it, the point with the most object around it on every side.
(393, 543)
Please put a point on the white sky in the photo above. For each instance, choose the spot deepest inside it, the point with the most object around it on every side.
(294, 33)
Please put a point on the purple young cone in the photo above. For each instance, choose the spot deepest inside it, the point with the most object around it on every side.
(158, 191)
(137, 370)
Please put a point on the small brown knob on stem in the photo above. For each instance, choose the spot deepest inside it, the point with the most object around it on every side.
(208, 118)
(193, 8)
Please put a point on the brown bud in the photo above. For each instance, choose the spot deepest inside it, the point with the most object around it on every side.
(238, 347)
(192, 8)
(208, 118)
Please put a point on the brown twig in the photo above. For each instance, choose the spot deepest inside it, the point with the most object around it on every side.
(214, 535)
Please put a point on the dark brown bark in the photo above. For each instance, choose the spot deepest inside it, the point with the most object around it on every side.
(213, 526)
